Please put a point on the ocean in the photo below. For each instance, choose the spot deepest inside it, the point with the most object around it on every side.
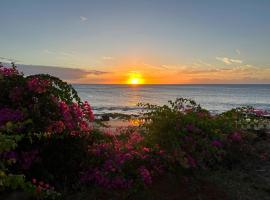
(216, 98)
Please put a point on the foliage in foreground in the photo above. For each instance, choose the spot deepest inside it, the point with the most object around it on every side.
(190, 135)
(39, 114)
(48, 144)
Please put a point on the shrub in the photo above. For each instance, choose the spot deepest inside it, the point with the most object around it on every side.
(46, 103)
(52, 123)
(190, 135)
(12, 181)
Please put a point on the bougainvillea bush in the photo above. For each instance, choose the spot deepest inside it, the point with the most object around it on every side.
(52, 123)
(191, 137)
(41, 103)
(58, 147)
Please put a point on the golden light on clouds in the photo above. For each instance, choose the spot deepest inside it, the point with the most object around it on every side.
(135, 78)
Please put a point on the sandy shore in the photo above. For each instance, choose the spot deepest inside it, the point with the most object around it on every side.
(115, 125)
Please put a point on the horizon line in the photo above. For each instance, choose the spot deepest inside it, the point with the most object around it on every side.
(135, 85)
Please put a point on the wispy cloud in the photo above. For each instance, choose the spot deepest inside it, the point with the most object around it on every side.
(236, 61)
(4, 59)
(202, 63)
(107, 58)
(58, 53)
(229, 61)
(46, 51)
(83, 18)
(163, 67)
(238, 51)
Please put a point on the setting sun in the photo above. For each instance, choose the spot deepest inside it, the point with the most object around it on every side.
(135, 78)
(134, 81)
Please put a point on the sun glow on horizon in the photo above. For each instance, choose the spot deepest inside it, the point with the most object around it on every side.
(135, 78)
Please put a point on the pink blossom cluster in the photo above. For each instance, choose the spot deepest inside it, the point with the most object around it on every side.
(145, 175)
(259, 112)
(87, 111)
(56, 127)
(38, 85)
(235, 137)
(75, 118)
(192, 128)
(4, 71)
(196, 148)
(191, 161)
(41, 186)
(217, 143)
(120, 163)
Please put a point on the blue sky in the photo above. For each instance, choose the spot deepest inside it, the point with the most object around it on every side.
(167, 41)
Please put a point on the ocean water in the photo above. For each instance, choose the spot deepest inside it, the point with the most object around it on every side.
(216, 98)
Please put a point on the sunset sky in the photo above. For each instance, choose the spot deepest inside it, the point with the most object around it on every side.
(159, 41)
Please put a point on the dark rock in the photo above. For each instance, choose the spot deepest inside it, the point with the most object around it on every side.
(105, 118)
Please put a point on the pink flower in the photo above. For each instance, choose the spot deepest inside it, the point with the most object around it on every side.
(38, 189)
(84, 126)
(88, 111)
(38, 85)
(259, 112)
(56, 127)
(75, 133)
(77, 110)
(217, 143)
(76, 117)
(34, 181)
(146, 149)
(191, 128)
(145, 175)
(8, 71)
(191, 161)
(236, 137)
(41, 183)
